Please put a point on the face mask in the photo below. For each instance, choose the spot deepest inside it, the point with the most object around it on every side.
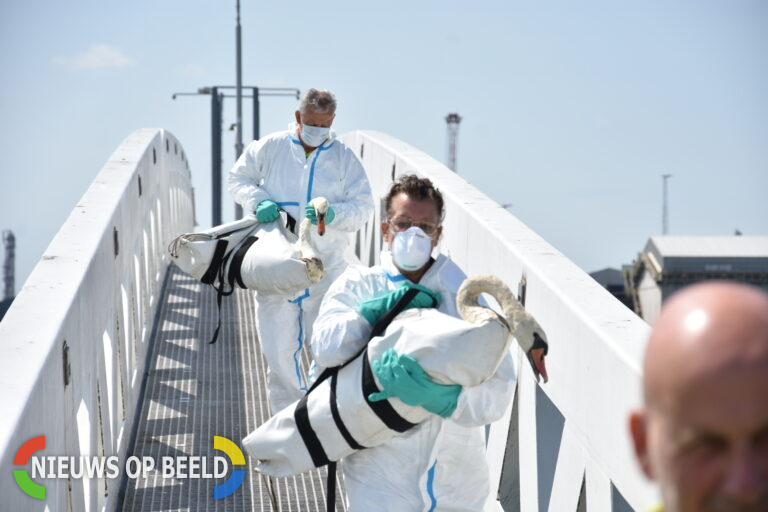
(411, 248)
(313, 136)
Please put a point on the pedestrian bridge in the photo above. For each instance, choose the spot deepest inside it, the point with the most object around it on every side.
(104, 352)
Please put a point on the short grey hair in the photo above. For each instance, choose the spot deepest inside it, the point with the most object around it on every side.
(321, 101)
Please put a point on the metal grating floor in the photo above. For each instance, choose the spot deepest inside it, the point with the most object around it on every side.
(196, 391)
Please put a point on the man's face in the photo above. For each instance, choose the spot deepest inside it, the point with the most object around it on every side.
(706, 442)
(404, 210)
(312, 118)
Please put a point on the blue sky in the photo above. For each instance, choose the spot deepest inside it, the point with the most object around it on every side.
(571, 110)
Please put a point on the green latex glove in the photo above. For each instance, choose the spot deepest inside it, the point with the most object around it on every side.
(402, 377)
(267, 211)
(373, 309)
(311, 214)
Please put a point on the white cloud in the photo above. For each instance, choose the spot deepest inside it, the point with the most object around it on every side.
(98, 56)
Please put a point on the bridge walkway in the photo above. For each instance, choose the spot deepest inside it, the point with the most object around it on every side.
(195, 391)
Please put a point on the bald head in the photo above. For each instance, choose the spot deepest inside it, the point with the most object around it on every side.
(704, 330)
(703, 434)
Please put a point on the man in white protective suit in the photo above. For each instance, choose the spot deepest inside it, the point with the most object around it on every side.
(285, 171)
(440, 464)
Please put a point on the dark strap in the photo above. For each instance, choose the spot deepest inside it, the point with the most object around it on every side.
(216, 261)
(382, 408)
(234, 276)
(311, 441)
(290, 223)
(337, 417)
(330, 489)
(219, 295)
(379, 328)
(390, 315)
(216, 268)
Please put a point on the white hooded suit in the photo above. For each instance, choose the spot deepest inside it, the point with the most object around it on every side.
(276, 167)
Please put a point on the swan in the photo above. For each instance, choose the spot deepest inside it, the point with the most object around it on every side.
(304, 245)
(274, 261)
(525, 329)
(465, 351)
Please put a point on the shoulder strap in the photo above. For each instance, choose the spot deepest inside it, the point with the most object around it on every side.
(382, 409)
(390, 315)
(377, 330)
(290, 223)
(216, 262)
(234, 276)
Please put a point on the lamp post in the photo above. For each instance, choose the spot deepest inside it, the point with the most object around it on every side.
(217, 106)
(239, 94)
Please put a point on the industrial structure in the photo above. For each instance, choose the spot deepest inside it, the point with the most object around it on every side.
(612, 280)
(9, 272)
(668, 263)
(665, 205)
(452, 121)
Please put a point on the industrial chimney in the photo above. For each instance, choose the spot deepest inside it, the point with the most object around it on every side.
(452, 120)
(9, 273)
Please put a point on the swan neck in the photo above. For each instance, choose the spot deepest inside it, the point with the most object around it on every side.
(468, 299)
(305, 244)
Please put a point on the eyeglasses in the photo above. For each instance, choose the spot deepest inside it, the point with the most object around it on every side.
(403, 223)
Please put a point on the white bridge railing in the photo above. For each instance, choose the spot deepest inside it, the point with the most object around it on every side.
(564, 445)
(74, 343)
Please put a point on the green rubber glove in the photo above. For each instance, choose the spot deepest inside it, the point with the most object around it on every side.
(267, 211)
(311, 214)
(373, 309)
(402, 377)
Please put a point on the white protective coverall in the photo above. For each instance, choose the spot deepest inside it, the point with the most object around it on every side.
(276, 167)
(439, 464)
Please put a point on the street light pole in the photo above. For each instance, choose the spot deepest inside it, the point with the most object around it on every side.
(239, 93)
(217, 101)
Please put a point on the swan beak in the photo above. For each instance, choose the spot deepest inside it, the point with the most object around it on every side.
(536, 357)
(320, 224)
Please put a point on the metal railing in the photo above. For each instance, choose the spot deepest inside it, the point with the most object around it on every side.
(74, 343)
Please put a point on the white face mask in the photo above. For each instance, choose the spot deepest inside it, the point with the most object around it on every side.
(313, 136)
(411, 248)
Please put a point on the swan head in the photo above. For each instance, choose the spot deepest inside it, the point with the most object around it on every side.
(321, 208)
(522, 325)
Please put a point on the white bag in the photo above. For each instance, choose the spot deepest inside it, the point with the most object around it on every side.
(196, 253)
(335, 418)
(244, 254)
(248, 254)
(273, 263)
